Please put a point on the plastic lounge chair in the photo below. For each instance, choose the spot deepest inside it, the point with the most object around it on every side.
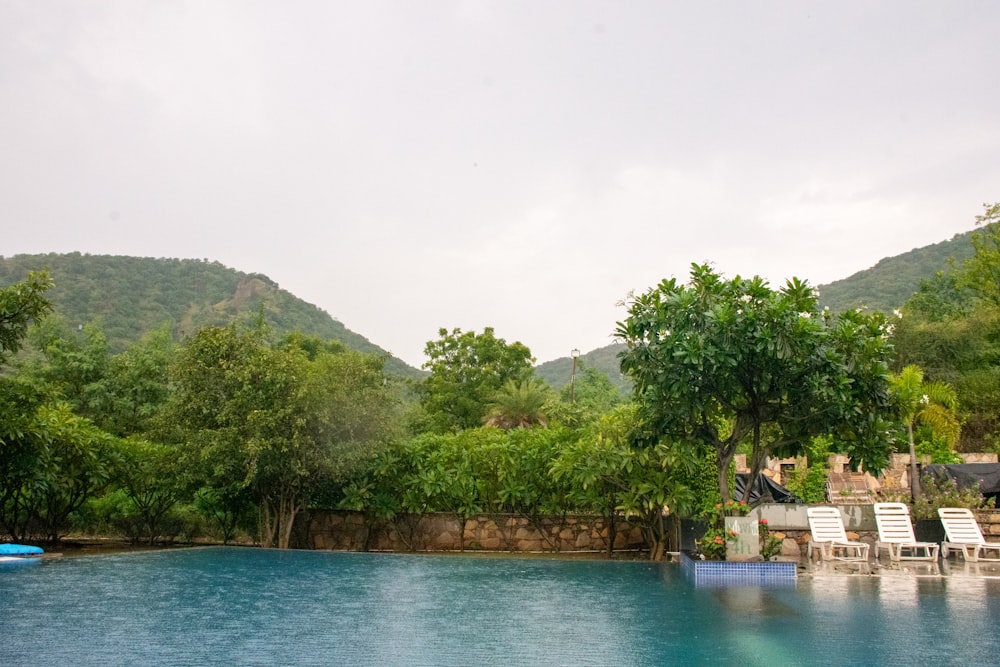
(962, 533)
(830, 539)
(895, 535)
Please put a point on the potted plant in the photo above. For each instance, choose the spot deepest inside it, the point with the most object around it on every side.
(937, 493)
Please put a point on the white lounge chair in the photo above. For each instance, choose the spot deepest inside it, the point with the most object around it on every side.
(895, 535)
(830, 538)
(962, 533)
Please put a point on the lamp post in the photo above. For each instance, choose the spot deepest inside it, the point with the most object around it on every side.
(575, 353)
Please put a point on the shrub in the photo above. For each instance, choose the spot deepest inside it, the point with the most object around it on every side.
(944, 492)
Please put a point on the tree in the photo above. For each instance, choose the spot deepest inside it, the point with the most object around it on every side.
(981, 272)
(519, 404)
(720, 363)
(930, 403)
(65, 460)
(136, 385)
(149, 476)
(73, 363)
(612, 476)
(273, 421)
(466, 370)
(21, 304)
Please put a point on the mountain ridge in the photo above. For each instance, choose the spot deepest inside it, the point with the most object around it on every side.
(129, 296)
(132, 295)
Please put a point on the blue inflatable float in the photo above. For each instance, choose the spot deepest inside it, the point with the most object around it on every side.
(10, 551)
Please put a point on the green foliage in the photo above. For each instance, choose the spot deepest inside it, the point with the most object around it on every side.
(466, 372)
(271, 422)
(609, 475)
(712, 545)
(936, 448)
(929, 404)
(770, 545)
(951, 330)
(21, 304)
(519, 404)
(944, 492)
(72, 364)
(981, 272)
(809, 479)
(764, 364)
(809, 483)
(136, 386)
(148, 475)
(49, 470)
(587, 400)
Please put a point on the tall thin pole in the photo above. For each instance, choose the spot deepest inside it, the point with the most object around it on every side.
(572, 380)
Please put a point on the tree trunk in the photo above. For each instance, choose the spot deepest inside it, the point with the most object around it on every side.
(269, 524)
(914, 474)
(288, 509)
(724, 457)
(756, 464)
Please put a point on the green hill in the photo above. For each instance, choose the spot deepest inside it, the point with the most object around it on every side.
(891, 282)
(558, 372)
(129, 296)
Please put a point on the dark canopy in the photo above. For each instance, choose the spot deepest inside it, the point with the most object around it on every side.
(765, 489)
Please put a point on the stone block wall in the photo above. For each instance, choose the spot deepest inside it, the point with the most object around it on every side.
(348, 531)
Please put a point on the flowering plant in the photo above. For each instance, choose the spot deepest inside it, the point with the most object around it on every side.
(713, 543)
(770, 545)
(732, 508)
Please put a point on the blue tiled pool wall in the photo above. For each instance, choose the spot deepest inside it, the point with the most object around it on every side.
(729, 573)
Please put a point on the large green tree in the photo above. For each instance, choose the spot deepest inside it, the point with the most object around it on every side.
(276, 421)
(466, 371)
(723, 362)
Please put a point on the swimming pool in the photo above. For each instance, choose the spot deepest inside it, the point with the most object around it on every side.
(252, 606)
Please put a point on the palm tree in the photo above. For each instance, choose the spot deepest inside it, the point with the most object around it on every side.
(519, 404)
(933, 404)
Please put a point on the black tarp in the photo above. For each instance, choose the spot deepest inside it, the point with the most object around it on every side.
(765, 489)
(985, 475)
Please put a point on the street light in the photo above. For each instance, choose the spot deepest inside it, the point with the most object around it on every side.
(575, 353)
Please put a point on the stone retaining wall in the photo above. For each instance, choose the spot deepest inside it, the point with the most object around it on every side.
(348, 531)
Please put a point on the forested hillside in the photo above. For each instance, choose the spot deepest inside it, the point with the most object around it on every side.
(892, 281)
(129, 296)
(558, 372)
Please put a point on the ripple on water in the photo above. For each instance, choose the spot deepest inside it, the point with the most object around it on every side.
(250, 606)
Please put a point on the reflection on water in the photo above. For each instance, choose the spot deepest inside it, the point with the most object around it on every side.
(247, 606)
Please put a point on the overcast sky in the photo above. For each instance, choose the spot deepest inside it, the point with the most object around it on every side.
(413, 165)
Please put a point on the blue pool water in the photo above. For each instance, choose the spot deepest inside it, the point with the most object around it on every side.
(250, 606)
